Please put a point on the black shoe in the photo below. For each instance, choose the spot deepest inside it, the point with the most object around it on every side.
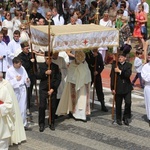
(126, 121)
(42, 128)
(119, 122)
(52, 127)
(104, 108)
(70, 115)
(149, 123)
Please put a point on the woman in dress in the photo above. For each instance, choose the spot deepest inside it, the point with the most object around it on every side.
(8, 24)
(141, 19)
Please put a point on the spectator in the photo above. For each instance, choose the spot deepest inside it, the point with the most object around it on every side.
(6, 38)
(138, 68)
(8, 24)
(57, 18)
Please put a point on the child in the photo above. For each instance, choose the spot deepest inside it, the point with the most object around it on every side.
(138, 67)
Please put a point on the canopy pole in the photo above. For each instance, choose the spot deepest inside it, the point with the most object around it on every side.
(49, 79)
(97, 22)
(34, 70)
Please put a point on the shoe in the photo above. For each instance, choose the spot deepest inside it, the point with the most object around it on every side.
(42, 128)
(52, 127)
(70, 115)
(104, 108)
(149, 123)
(119, 122)
(126, 122)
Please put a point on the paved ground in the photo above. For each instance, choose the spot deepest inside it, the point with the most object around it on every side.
(97, 134)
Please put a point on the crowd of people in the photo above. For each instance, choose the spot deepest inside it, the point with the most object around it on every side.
(66, 77)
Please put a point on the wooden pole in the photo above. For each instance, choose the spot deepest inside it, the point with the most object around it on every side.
(115, 83)
(97, 22)
(36, 93)
(49, 79)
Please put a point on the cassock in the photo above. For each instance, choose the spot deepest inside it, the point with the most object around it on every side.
(3, 53)
(145, 73)
(10, 114)
(19, 88)
(76, 95)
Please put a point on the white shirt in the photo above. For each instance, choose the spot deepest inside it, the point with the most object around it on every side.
(146, 7)
(58, 20)
(138, 64)
(105, 23)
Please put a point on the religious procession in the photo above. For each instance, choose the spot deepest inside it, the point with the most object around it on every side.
(57, 50)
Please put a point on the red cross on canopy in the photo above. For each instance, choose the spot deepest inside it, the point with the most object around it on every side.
(85, 41)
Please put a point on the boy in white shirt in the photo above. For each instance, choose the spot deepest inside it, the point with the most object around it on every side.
(138, 67)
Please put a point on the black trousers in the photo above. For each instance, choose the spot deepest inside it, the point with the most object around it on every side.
(127, 108)
(99, 88)
(29, 90)
(43, 105)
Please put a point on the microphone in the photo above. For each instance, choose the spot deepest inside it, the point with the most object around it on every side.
(4, 56)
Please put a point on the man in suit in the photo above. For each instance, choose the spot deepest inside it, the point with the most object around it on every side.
(123, 88)
(44, 91)
(96, 66)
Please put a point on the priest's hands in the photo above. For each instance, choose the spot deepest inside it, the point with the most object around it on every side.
(113, 92)
(48, 72)
(117, 70)
(50, 92)
(28, 80)
(32, 60)
(95, 73)
(18, 78)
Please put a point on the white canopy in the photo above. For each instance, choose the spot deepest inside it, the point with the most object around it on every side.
(75, 37)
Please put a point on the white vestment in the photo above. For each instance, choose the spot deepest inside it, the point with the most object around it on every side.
(65, 56)
(12, 47)
(14, 128)
(3, 53)
(145, 73)
(16, 24)
(19, 88)
(76, 95)
(7, 113)
(63, 69)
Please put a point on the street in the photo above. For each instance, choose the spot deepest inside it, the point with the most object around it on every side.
(100, 133)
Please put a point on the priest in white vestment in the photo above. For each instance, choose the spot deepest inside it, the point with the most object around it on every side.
(7, 114)
(19, 80)
(3, 55)
(76, 95)
(145, 73)
(10, 114)
(13, 45)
